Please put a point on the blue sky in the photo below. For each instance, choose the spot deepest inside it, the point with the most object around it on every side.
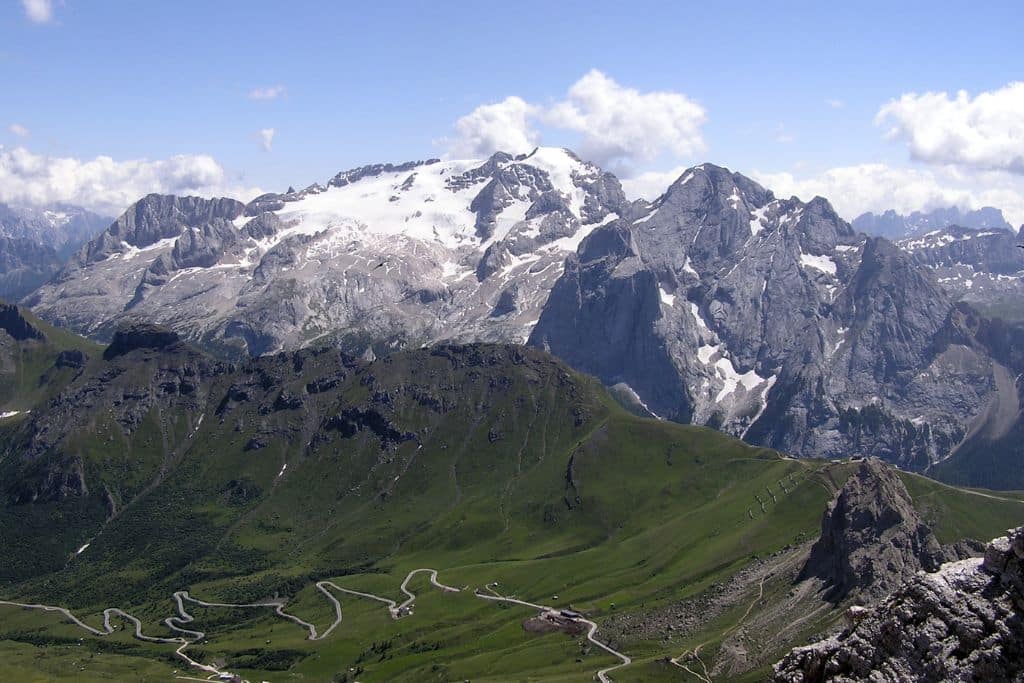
(388, 81)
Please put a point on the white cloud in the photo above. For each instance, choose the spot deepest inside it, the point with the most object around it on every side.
(984, 132)
(39, 11)
(834, 103)
(877, 187)
(19, 130)
(623, 125)
(271, 92)
(108, 186)
(503, 126)
(650, 185)
(267, 138)
(618, 126)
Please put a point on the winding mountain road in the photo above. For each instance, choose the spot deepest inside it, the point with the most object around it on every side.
(602, 675)
(189, 636)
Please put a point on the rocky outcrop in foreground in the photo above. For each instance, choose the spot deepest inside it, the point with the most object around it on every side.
(872, 538)
(962, 623)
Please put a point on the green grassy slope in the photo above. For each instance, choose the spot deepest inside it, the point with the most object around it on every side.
(27, 373)
(488, 463)
(956, 513)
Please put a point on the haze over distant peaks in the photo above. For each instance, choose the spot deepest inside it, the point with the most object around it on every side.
(895, 225)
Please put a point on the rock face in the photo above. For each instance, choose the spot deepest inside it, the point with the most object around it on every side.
(872, 538)
(962, 623)
(771, 319)
(895, 226)
(140, 336)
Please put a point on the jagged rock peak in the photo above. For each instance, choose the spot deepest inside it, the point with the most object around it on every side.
(353, 175)
(157, 217)
(964, 622)
(16, 325)
(872, 538)
(140, 335)
(700, 184)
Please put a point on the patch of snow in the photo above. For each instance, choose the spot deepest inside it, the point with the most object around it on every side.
(757, 218)
(666, 298)
(734, 198)
(518, 261)
(506, 220)
(573, 243)
(82, 549)
(822, 263)
(131, 251)
(688, 268)
(561, 168)
(11, 413)
(701, 325)
(705, 353)
(283, 468)
(648, 217)
(846, 247)
(733, 380)
(792, 216)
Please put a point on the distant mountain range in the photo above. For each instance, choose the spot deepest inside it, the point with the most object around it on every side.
(717, 303)
(895, 226)
(34, 243)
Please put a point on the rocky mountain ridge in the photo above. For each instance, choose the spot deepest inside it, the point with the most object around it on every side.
(872, 538)
(772, 319)
(963, 622)
(395, 255)
(718, 303)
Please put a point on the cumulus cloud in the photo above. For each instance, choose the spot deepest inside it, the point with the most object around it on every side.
(267, 138)
(983, 132)
(504, 126)
(39, 11)
(108, 186)
(834, 103)
(617, 126)
(620, 124)
(878, 187)
(19, 130)
(650, 185)
(271, 92)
